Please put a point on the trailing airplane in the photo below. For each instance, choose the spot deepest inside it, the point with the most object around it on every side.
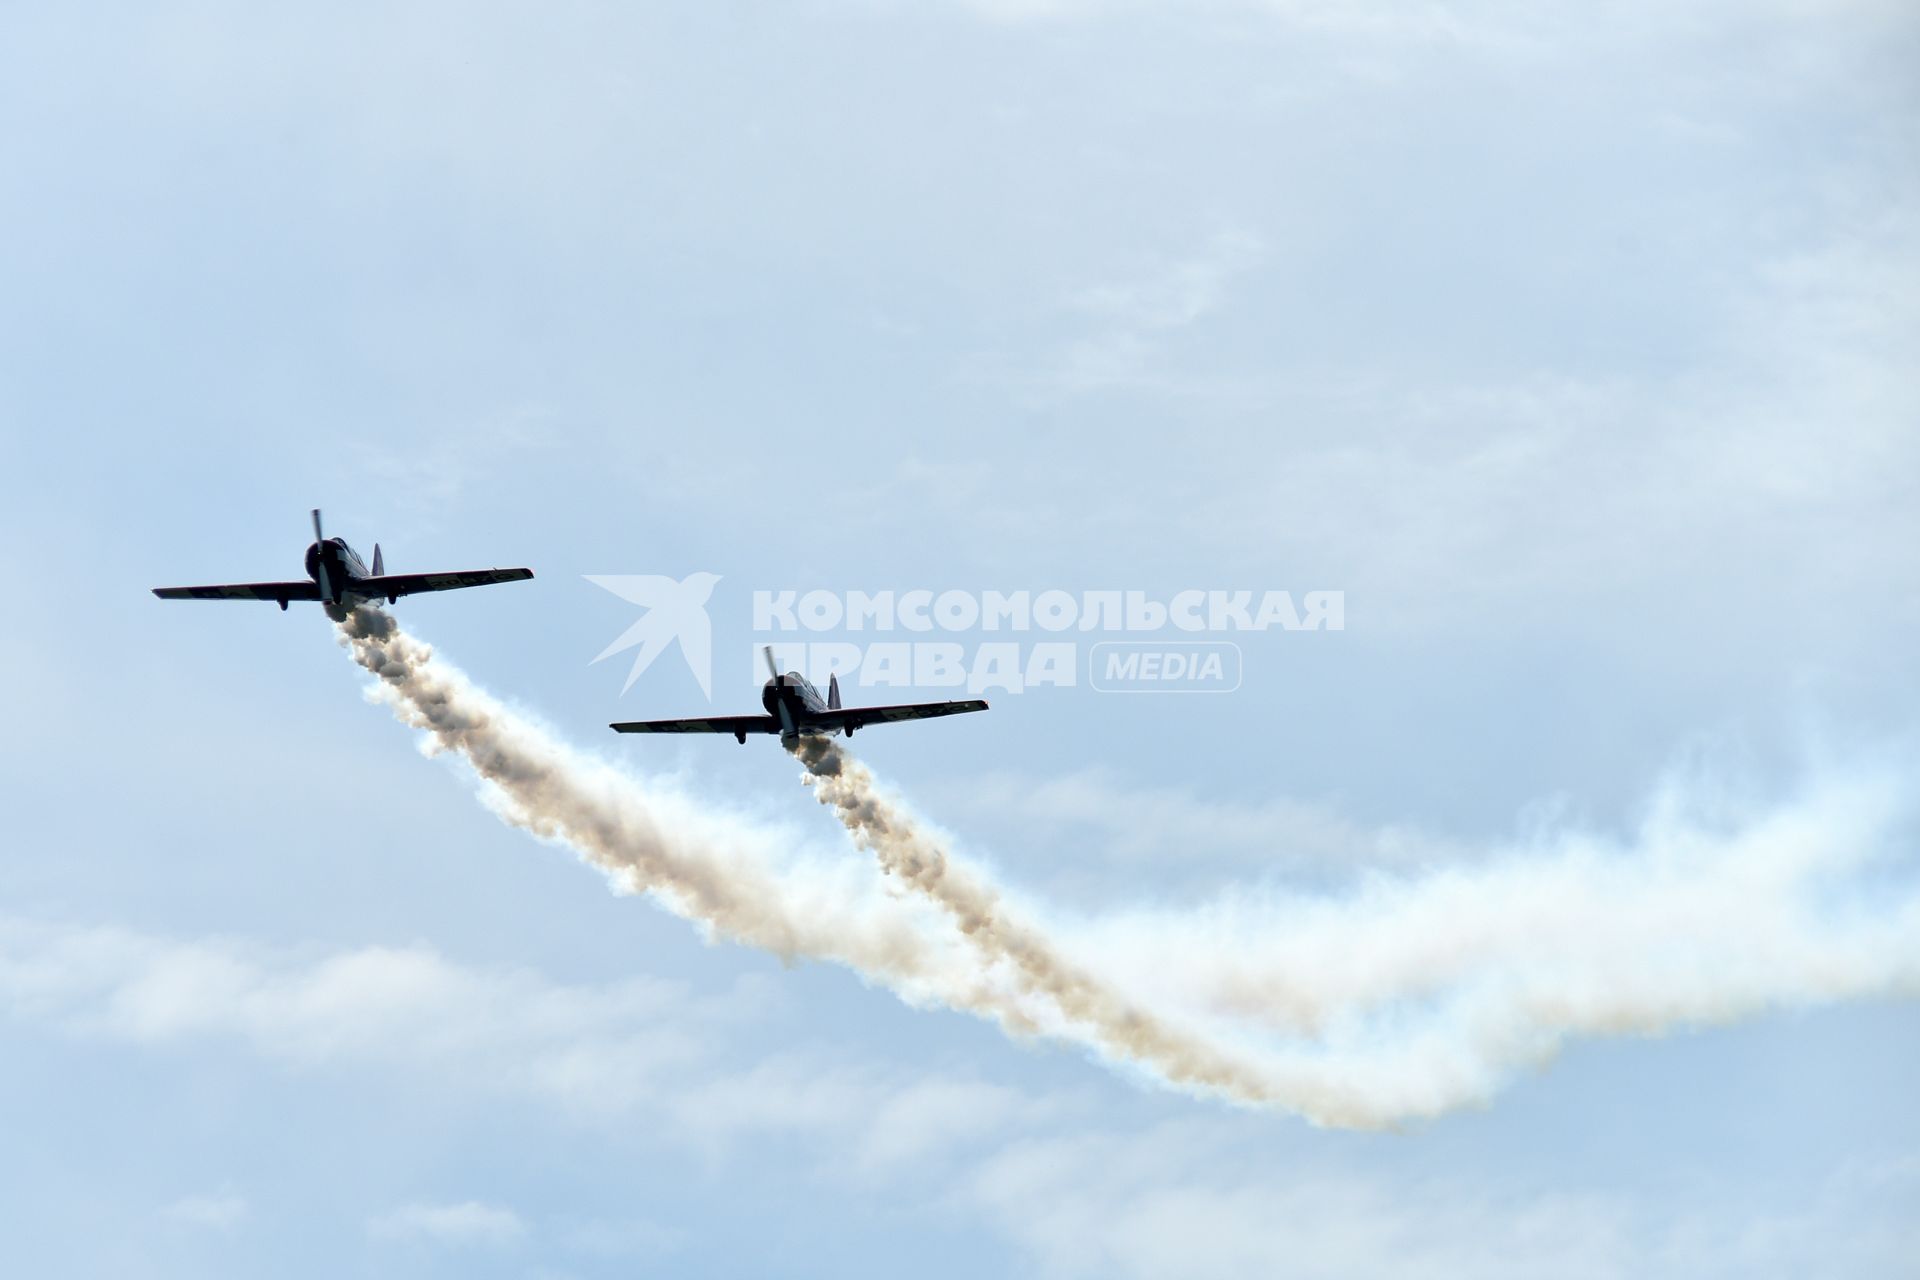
(337, 575)
(795, 708)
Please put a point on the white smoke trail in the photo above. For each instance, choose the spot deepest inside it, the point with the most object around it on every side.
(1409, 998)
(1420, 995)
(1117, 1026)
(702, 866)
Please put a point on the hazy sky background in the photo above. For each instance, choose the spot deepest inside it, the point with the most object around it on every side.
(1574, 344)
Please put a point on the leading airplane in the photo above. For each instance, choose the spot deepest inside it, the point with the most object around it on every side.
(795, 708)
(337, 575)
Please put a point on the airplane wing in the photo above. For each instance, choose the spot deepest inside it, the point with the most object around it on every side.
(735, 725)
(860, 717)
(407, 584)
(276, 591)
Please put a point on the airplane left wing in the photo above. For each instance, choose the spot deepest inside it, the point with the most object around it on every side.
(393, 585)
(738, 726)
(859, 717)
(280, 591)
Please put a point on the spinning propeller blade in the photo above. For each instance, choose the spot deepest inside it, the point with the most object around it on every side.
(320, 558)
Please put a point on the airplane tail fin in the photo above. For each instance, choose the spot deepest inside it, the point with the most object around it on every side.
(833, 692)
(378, 567)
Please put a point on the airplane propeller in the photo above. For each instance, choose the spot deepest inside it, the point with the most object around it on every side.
(780, 704)
(320, 558)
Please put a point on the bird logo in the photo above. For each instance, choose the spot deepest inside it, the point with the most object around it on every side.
(674, 611)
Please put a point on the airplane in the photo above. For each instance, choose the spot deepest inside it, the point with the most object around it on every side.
(337, 575)
(795, 708)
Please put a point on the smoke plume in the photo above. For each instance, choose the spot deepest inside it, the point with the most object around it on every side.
(1405, 998)
(1117, 1027)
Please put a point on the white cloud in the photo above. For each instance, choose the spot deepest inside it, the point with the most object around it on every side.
(1071, 1191)
(591, 1048)
(1093, 1222)
(622, 1237)
(422, 479)
(466, 1223)
(1187, 1200)
(931, 1120)
(1755, 493)
(1178, 293)
(607, 1050)
(219, 1211)
(1449, 27)
(1135, 316)
(1139, 822)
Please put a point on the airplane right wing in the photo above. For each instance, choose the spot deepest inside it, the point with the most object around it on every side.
(851, 718)
(738, 726)
(407, 584)
(277, 591)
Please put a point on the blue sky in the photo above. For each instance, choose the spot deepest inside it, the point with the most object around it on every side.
(1573, 346)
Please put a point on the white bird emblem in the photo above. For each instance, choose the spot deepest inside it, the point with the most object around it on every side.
(674, 611)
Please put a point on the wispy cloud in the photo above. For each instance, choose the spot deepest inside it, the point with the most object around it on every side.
(634, 1047)
(467, 1223)
(1177, 293)
(421, 473)
(634, 1237)
(1183, 1200)
(1114, 819)
(1134, 317)
(593, 1048)
(1074, 1190)
(217, 1211)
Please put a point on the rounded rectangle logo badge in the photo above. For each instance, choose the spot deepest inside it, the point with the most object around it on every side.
(1165, 666)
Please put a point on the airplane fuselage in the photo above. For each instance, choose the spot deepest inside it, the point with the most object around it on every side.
(343, 564)
(795, 703)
